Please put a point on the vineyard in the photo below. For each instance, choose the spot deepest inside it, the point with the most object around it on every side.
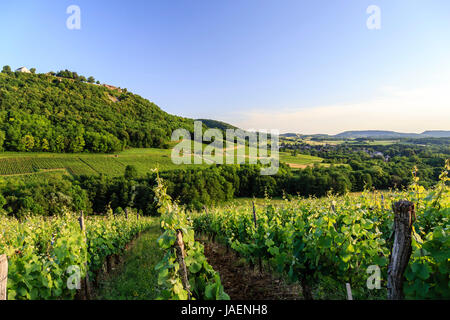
(321, 244)
(43, 252)
(86, 164)
(16, 163)
(183, 273)
(325, 243)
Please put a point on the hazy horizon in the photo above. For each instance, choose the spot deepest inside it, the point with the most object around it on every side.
(331, 134)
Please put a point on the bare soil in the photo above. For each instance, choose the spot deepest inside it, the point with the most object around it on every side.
(241, 282)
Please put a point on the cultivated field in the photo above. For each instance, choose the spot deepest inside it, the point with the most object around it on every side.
(21, 163)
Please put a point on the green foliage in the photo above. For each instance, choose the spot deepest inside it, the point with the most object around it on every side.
(204, 282)
(6, 69)
(130, 172)
(41, 250)
(310, 240)
(380, 166)
(74, 116)
(46, 195)
(427, 274)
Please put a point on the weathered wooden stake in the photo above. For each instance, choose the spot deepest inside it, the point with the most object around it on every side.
(181, 254)
(254, 213)
(333, 208)
(404, 217)
(3, 277)
(306, 288)
(126, 213)
(349, 291)
(255, 222)
(81, 221)
(87, 285)
(109, 263)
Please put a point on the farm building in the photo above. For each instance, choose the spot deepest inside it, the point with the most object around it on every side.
(23, 69)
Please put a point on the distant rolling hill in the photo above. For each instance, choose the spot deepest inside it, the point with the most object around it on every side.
(216, 124)
(391, 134)
(437, 134)
(375, 134)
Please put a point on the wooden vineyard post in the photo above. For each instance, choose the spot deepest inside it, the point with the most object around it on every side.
(333, 208)
(404, 216)
(208, 234)
(86, 283)
(349, 291)
(109, 263)
(181, 254)
(254, 213)
(256, 226)
(3, 277)
(126, 213)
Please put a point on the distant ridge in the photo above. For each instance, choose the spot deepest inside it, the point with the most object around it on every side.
(376, 134)
(437, 133)
(217, 124)
(392, 134)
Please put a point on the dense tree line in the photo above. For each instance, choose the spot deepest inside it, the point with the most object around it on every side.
(384, 166)
(40, 112)
(191, 187)
(196, 187)
(46, 196)
(73, 75)
(218, 183)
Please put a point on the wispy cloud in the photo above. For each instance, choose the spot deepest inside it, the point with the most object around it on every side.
(405, 110)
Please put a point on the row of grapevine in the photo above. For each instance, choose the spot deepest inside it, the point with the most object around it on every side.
(15, 166)
(44, 252)
(105, 165)
(338, 238)
(12, 166)
(184, 273)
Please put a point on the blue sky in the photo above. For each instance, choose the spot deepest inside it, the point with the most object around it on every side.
(291, 65)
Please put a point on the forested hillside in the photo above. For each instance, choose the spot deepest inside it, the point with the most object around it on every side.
(43, 112)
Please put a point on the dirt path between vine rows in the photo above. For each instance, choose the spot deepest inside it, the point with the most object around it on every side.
(241, 282)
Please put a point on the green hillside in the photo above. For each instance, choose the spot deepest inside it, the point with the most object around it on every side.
(217, 124)
(40, 112)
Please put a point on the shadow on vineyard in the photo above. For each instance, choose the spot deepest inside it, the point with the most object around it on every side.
(242, 282)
